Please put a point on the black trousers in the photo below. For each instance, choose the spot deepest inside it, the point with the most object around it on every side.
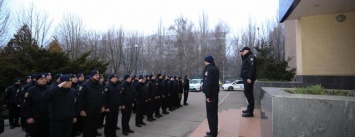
(102, 118)
(165, 103)
(157, 106)
(91, 122)
(173, 98)
(40, 127)
(248, 92)
(62, 128)
(111, 122)
(78, 126)
(178, 100)
(186, 95)
(14, 114)
(150, 108)
(139, 112)
(126, 117)
(212, 115)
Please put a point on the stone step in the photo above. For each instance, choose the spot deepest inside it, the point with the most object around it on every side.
(201, 130)
(250, 126)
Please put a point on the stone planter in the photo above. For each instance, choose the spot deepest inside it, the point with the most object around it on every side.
(296, 115)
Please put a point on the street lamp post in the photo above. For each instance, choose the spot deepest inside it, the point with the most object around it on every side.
(136, 58)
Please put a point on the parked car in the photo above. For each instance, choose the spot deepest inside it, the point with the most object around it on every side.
(235, 85)
(196, 85)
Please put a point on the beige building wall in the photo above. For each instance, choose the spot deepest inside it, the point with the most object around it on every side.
(322, 45)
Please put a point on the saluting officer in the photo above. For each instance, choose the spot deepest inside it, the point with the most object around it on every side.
(248, 73)
(11, 100)
(36, 110)
(90, 103)
(112, 103)
(141, 99)
(62, 113)
(127, 101)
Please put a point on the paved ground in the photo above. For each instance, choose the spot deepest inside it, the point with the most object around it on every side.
(179, 123)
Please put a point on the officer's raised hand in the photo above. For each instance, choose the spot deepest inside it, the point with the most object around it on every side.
(107, 110)
(249, 81)
(30, 121)
(61, 84)
(103, 109)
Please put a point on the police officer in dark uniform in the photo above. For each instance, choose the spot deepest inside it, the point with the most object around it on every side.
(81, 78)
(211, 90)
(127, 101)
(90, 103)
(174, 87)
(186, 90)
(134, 81)
(161, 88)
(141, 99)
(78, 125)
(112, 103)
(166, 94)
(32, 82)
(56, 80)
(62, 113)
(49, 78)
(151, 99)
(11, 100)
(180, 92)
(36, 110)
(248, 73)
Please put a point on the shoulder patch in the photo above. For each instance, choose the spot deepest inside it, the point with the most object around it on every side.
(17, 91)
(26, 94)
(157, 84)
(206, 73)
(106, 89)
(80, 88)
(251, 59)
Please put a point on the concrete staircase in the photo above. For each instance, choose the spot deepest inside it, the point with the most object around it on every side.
(232, 124)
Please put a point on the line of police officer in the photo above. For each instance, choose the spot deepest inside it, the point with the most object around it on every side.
(71, 105)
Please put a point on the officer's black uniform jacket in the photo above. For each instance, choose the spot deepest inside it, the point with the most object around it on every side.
(23, 91)
(161, 87)
(127, 93)
(181, 87)
(61, 103)
(11, 95)
(174, 87)
(33, 105)
(90, 95)
(186, 84)
(153, 88)
(249, 63)
(112, 92)
(142, 92)
(211, 81)
(167, 88)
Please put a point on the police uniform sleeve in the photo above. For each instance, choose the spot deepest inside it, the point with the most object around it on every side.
(252, 70)
(47, 95)
(6, 96)
(106, 97)
(27, 102)
(207, 84)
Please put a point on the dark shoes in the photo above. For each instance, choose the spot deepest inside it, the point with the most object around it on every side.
(158, 116)
(186, 104)
(125, 133)
(248, 115)
(138, 125)
(118, 128)
(12, 127)
(98, 134)
(208, 134)
(245, 111)
(142, 123)
(165, 112)
(130, 131)
(150, 120)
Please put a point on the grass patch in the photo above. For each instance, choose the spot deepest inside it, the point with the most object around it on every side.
(319, 90)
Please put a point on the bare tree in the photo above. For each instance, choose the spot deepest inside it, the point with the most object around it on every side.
(38, 22)
(4, 21)
(70, 32)
(220, 47)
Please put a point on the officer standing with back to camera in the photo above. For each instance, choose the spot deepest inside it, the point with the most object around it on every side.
(35, 110)
(11, 101)
(62, 112)
(141, 99)
(90, 104)
(211, 90)
(248, 73)
(186, 89)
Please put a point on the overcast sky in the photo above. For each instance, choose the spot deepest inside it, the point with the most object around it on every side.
(145, 15)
